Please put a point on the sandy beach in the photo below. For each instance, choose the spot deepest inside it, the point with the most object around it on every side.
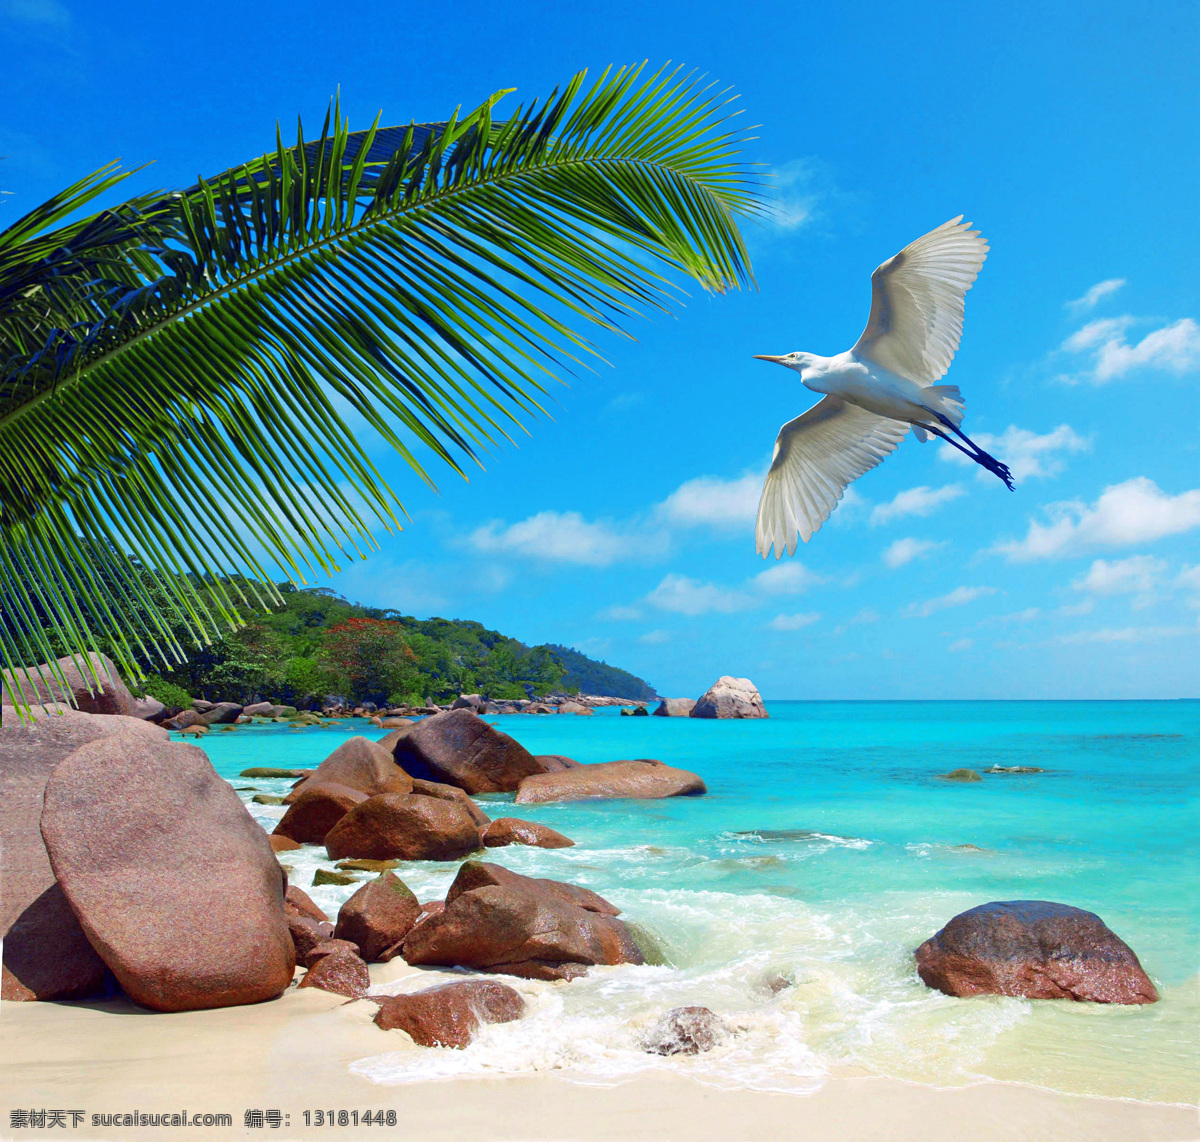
(298, 1053)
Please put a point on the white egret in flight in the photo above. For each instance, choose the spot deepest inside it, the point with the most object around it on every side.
(879, 389)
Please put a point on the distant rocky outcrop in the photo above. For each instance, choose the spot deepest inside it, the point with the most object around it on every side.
(642, 779)
(675, 708)
(173, 882)
(730, 698)
(1033, 948)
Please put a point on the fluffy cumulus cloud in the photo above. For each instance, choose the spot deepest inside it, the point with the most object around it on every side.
(961, 645)
(708, 501)
(1188, 580)
(1096, 294)
(1110, 354)
(959, 597)
(566, 537)
(922, 501)
(687, 596)
(1139, 575)
(906, 550)
(1030, 455)
(794, 622)
(790, 578)
(1137, 511)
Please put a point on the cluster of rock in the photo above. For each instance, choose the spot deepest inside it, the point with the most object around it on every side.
(726, 698)
(89, 683)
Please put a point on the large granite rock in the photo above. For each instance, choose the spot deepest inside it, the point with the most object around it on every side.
(1033, 948)
(513, 831)
(451, 793)
(357, 763)
(317, 810)
(405, 826)
(46, 954)
(92, 686)
(643, 779)
(172, 880)
(499, 921)
(730, 698)
(449, 1015)
(222, 714)
(483, 874)
(675, 708)
(460, 748)
(378, 917)
(340, 970)
(556, 762)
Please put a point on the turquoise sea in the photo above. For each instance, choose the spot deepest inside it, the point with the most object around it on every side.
(826, 850)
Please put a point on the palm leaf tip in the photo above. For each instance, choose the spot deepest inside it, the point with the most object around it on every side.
(200, 351)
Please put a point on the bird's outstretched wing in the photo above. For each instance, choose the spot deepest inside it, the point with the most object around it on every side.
(816, 456)
(917, 302)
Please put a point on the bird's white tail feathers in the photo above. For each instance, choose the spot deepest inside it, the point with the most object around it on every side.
(947, 400)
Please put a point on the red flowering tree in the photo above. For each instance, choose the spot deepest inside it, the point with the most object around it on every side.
(374, 658)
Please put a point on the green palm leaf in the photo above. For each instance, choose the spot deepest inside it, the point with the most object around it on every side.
(171, 371)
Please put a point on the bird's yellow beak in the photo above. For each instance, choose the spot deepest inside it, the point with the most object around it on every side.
(766, 357)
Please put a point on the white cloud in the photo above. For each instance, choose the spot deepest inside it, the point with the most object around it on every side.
(961, 645)
(795, 192)
(1138, 575)
(920, 501)
(793, 622)
(959, 597)
(655, 637)
(1085, 607)
(566, 537)
(618, 613)
(1137, 511)
(691, 597)
(906, 550)
(1188, 579)
(713, 502)
(1094, 295)
(1028, 454)
(1174, 348)
(1126, 634)
(791, 578)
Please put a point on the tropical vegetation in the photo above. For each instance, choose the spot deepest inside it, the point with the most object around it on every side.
(179, 372)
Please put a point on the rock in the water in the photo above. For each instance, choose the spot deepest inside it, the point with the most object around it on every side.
(1033, 948)
(498, 921)
(513, 831)
(222, 714)
(404, 826)
(271, 771)
(310, 817)
(329, 876)
(367, 865)
(451, 793)
(556, 762)
(730, 698)
(393, 738)
(343, 972)
(474, 702)
(643, 779)
(92, 685)
(357, 764)
(460, 748)
(574, 708)
(675, 708)
(267, 799)
(449, 1015)
(1014, 769)
(483, 874)
(172, 880)
(282, 844)
(46, 954)
(685, 1031)
(960, 775)
(186, 720)
(378, 917)
(397, 723)
(297, 902)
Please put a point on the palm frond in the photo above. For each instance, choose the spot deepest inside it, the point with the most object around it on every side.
(171, 370)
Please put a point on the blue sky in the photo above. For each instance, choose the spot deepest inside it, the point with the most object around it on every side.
(624, 527)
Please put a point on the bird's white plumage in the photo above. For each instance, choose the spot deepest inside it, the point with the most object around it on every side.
(816, 456)
(917, 303)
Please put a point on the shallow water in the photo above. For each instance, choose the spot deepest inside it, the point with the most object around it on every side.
(826, 850)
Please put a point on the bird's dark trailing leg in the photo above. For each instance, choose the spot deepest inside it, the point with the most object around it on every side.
(982, 458)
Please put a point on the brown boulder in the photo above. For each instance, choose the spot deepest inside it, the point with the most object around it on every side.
(513, 831)
(451, 793)
(357, 764)
(222, 714)
(449, 1015)
(574, 708)
(1033, 948)
(46, 954)
(685, 1031)
(499, 921)
(281, 844)
(325, 948)
(483, 874)
(675, 708)
(297, 902)
(378, 917)
(342, 971)
(306, 933)
(186, 720)
(730, 697)
(460, 748)
(316, 811)
(405, 826)
(389, 741)
(643, 779)
(89, 682)
(172, 880)
(556, 762)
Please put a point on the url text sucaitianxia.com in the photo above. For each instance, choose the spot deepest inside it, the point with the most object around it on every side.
(254, 1119)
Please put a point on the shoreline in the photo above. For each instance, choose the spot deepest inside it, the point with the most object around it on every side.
(306, 1050)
